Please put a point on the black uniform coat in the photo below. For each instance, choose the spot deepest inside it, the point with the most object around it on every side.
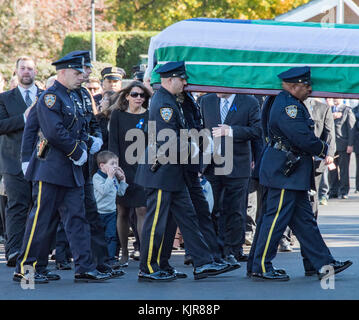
(169, 177)
(64, 128)
(290, 121)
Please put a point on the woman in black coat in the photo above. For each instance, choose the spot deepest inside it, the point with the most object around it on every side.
(130, 112)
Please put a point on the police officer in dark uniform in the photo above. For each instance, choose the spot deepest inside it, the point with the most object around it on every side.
(55, 169)
(287, 172)
(193, 120)
(111, 81)
(83, 100)
(98, 242)
(166, 189)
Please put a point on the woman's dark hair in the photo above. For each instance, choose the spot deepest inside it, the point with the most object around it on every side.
(112, 97)
(122, 103)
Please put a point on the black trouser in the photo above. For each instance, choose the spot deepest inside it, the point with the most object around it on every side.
(230, 200)
(201, 207)
(63, 252)
(161, 207)
(283, 208)
(357, 171)
(3, 201)
(339, 178)
(98, 242)
(50, 201)
(18, 192)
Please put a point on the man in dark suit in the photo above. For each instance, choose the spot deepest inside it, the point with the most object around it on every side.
(14, 106)
(344, 121)
(322, 116)
(235, 118)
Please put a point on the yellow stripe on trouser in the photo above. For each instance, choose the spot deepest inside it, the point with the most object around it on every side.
(159, 251)
(32, 230)
(271, 229)
(150, 248)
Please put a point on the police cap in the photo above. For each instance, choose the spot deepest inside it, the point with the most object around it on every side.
(173, 69)
(113, 73)
(70, 62)
(85, 54)
(296, 75)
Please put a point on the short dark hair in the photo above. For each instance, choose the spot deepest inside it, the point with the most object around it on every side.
(24, 58)
(105, 156)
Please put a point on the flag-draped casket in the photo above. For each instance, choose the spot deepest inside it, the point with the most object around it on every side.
(248, 54)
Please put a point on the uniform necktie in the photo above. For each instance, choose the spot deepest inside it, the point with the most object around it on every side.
(224, 110)
(28, 100)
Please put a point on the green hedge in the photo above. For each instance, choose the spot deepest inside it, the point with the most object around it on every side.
(121, 49)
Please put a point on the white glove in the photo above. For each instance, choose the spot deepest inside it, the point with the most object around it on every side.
(82, 159)
(24, 166)
(96, 145)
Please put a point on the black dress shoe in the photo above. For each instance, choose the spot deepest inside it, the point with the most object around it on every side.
(117, 273)
(242, 257)
(280, 271)
(11, 261)
(270, 275)
(309, 273)
(178, 274)
(209, 270)
(38, 278)
(49, 275)
(232, 262)
(188, 260)
(91, 276)
(159, 276)
(338, 266)
(63, 265)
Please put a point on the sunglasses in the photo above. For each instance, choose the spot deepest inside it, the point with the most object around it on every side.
(136, 94)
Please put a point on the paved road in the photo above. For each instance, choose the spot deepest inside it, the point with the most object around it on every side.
(339, 224)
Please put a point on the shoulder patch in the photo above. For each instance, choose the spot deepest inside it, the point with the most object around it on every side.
(50, 100)
(292, 111)
(166, 113)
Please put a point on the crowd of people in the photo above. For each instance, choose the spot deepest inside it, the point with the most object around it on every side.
(70, 193)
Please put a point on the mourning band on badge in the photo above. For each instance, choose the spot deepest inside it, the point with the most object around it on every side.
(166, 113)
(50, 100)
(292, 111)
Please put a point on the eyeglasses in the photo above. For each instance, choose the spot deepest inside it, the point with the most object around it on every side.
(136, 94)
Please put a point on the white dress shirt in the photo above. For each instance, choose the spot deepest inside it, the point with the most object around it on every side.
(32, 93)
(230, 101)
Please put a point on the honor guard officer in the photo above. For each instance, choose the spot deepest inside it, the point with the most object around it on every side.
(193, 120)
(111, 81)
(166, 189)
(98, 242)
(287, 171)
(55, 169)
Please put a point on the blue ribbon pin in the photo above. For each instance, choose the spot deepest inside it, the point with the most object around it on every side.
(233, 108)
(140, 123)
